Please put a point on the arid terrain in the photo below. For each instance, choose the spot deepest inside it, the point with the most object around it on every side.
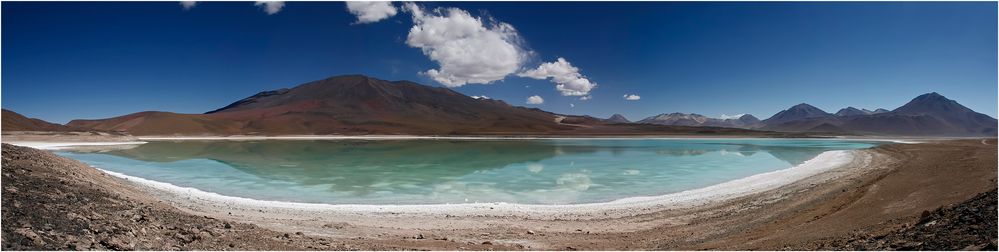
(363, 105)
(937, 195)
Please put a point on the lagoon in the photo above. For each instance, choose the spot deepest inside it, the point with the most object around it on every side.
(454, 171)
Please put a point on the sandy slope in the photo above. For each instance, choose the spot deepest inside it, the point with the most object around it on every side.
(856, 200)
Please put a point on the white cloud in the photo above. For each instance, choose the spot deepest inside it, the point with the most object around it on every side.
(572, 105)
(370, 12)
(480, 97)
(724, 116)
(567, 78)
(271, 7)
(535, 100)
(187, 5)
(468, 49)
(632, 97)
(585, 98)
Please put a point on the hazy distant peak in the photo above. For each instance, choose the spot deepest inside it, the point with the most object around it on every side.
(748, 117)
(618, 118)
(851, 111)
(800, 111)
(805, 106)
(693, 119)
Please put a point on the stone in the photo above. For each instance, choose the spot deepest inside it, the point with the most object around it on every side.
(31, 235)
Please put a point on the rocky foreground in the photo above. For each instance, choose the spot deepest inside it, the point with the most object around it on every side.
(970, 225)
(54, 203)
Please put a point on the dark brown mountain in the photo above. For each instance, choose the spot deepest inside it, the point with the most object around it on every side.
(12, 121)
(926, 115)
(617, 118)
(356, 104)
(352, 104)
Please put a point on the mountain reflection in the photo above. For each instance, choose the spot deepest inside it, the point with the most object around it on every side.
(356, 165)
(362, 167)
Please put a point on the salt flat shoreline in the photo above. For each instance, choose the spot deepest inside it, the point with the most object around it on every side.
(881, 188)
(55, 143)
(515, 137)
(715, 193)
(457, 221)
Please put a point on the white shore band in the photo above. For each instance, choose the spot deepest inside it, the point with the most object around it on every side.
(728, 190)
(51, 145)
(68, 145)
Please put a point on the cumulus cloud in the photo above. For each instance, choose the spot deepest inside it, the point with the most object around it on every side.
(187, 5)
(535, 100)
(567, 78)
(468, 49)
(480, 97)
(271, 7)
(736, 116)
(632, 97)
(370, 12)
(585, 98)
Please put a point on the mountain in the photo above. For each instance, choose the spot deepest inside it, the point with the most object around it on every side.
(851, 111)
(930, 114)
(681, 119)
(12, 121)
(355, 105)
(351, 104)
(797, 112)
(617, 118)
(876, 111)
(749, 121)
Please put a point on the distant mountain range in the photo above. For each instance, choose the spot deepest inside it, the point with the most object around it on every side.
(926, 115)
(356, 104)
(746, 121)
(851, 111)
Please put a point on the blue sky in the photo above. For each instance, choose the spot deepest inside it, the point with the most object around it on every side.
(63, 61)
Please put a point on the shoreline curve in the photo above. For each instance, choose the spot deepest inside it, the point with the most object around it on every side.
(728, 190)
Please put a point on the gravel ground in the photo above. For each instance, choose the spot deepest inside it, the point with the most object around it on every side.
(970, 225)
(51, 204)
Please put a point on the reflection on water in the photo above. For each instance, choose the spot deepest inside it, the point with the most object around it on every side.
(455, 171)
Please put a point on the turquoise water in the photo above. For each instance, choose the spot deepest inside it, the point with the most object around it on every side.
(547, 171)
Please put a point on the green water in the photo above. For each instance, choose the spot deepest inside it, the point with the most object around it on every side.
(546, 171)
